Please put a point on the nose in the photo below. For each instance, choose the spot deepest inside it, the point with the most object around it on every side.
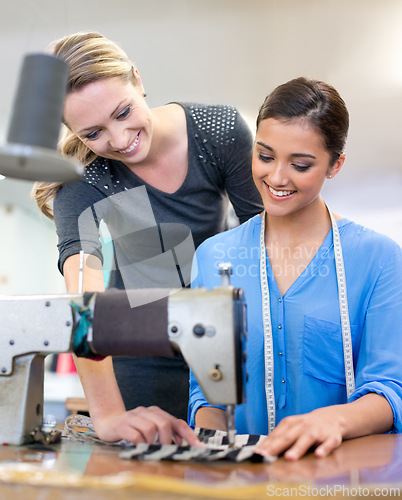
(117, 139)
(278, 175)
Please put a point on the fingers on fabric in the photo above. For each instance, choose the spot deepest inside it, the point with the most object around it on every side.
(282, 438)
(174, 430)
(296, 436)
(154, 424)
(183, 431)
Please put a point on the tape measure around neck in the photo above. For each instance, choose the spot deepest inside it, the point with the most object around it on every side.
(267, 325)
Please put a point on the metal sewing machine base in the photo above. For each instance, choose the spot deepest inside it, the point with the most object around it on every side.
(206, 326)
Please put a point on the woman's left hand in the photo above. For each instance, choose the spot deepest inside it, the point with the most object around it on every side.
(294, 436)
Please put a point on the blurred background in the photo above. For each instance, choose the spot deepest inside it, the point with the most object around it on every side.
(222, 51)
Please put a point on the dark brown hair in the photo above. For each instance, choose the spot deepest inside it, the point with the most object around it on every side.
(314, 101)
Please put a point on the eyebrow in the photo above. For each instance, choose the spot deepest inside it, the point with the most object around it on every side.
(295, 155)
(81, 132)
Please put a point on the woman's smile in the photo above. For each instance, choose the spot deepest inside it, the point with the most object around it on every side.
(133, 147)
(280, 193)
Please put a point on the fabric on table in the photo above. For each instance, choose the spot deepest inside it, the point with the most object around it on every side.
(79, 427)
(217, 448)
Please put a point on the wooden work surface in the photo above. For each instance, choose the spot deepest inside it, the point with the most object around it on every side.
(81, 471)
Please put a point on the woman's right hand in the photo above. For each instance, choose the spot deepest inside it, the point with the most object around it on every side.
(145, 425)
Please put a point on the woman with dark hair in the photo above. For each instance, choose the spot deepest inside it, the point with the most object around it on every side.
(324, 295)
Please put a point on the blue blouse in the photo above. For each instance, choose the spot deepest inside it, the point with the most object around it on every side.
(306, 328)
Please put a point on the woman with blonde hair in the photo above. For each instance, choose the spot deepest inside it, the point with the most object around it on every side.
(160, 179)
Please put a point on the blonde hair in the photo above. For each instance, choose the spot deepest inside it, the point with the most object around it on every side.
(90, 57)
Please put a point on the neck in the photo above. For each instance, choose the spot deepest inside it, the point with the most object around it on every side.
(169, 133)
(310, 223)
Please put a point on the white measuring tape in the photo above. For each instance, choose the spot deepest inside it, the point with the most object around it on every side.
(343, 308)
(266, 318)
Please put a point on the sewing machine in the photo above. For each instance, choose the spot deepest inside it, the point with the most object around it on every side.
(207, 327)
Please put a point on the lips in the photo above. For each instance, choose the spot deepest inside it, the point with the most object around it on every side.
(281, 193)
(131, 147)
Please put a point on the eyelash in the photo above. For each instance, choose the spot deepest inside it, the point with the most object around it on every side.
(265, 158)
(299, 168)
(126, 111)
(94, 135)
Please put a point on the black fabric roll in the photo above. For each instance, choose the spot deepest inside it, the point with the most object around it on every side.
(121, 328)
(38, 105)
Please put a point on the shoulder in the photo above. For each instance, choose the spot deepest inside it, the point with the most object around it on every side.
(71, 193)
(221, 121)
(202, 111)
(362, 242)
(97, 171)
(239, 246)
(93, 174)
(364, 235)
(102, 174)
(93, 186)
(232, 241)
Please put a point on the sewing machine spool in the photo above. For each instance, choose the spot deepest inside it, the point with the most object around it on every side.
(30, 152)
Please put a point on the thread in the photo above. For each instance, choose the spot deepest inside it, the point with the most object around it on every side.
(38, 104)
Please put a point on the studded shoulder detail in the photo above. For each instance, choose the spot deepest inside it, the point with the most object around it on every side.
(96, 170)
(217, 121)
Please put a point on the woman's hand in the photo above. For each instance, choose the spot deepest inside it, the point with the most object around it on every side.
(326, 428)
(294, 436)
(145, 425)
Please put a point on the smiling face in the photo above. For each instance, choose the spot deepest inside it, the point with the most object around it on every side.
(290, 165)
(111, 118)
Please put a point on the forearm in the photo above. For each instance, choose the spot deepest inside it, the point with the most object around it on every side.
(97, 377)
(92, 274)
(211, 418)
(370, 414)
(100, 387)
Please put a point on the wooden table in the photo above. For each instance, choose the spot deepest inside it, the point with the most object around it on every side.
(369, 466)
